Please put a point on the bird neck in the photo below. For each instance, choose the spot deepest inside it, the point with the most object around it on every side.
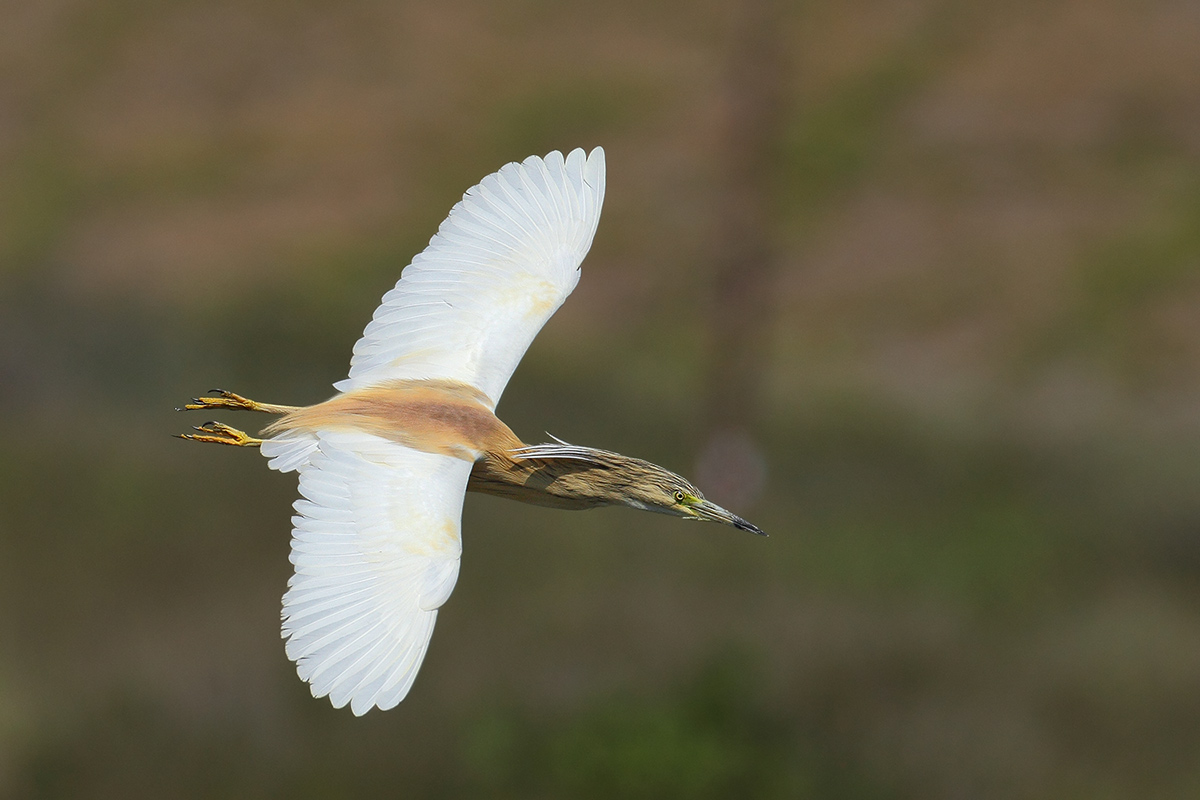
(553, 475)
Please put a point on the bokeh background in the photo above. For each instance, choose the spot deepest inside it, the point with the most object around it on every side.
(913, 285)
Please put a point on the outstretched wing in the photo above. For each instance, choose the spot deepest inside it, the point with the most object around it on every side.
(500, 265)
(376, 547)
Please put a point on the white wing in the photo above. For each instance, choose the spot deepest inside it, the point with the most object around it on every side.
(500, 265)
(376, 548)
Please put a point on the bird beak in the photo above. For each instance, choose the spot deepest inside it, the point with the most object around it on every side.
(708, 510)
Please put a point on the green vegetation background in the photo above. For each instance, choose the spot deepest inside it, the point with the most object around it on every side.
(976, 393)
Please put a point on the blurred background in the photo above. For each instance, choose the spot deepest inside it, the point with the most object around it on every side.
(914, 286)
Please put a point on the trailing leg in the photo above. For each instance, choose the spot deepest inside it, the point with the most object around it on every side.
(234, 402)
(218, 433)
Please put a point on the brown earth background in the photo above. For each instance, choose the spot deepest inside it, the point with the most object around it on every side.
(913, 285)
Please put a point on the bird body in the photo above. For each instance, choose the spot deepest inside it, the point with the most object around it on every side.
(384, 464)
(434, 416)
(452, 419)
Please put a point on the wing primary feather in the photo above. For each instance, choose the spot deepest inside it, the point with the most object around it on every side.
(505, 258)
(369, 551)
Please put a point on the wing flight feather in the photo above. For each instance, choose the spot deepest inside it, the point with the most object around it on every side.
(376, 546)
(503, 261)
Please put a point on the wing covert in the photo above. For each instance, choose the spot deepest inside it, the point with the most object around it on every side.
(503, 261)
(376, 546)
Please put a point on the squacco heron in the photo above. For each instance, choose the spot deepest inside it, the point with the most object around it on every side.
(384, 464)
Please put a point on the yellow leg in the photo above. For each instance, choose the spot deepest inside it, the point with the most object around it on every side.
(234, 402)
(217, 433)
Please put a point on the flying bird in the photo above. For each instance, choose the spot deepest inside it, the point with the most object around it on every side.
(384, 463)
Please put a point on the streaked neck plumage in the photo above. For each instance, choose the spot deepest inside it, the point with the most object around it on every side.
(557, 475)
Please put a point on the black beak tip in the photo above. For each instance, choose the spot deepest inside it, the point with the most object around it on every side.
(741, 524)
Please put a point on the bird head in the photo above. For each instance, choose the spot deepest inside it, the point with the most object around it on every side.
(655, 488)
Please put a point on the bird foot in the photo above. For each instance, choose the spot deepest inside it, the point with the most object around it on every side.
(235, 402)
(219, 433)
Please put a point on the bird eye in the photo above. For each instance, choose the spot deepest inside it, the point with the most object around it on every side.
(678, 495)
